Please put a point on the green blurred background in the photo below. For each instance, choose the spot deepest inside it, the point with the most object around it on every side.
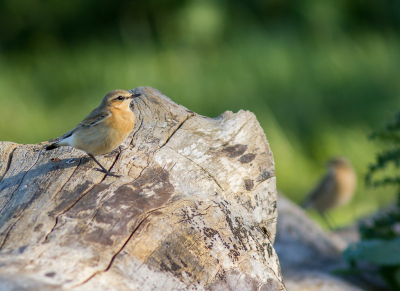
(319, 75)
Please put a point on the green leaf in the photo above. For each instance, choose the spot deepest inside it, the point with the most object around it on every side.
(377, 251)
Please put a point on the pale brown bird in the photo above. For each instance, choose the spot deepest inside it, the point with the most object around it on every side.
(104, 129)
(335, 189)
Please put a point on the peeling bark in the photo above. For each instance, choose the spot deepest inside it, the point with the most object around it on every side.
(195, 208)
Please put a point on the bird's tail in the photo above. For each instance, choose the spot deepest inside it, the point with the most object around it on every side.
(52, 146)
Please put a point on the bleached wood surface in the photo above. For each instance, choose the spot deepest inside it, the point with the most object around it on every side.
(310, 256)
(195, 208)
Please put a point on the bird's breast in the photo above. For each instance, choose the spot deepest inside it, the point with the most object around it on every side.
(123, 121)
(105, 136)
(346, 184)
(120, 126)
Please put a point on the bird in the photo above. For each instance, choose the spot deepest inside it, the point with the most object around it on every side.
(104, 129)
(335, 189)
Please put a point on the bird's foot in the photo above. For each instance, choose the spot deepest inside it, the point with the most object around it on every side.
(109, 173)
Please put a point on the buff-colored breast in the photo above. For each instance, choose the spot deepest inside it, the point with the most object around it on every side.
(346, 181)
(108, 135)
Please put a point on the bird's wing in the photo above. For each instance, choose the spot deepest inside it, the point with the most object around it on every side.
(326, 185)
(95, 117)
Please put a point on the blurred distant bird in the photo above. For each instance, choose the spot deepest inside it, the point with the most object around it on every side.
(104, 129)
(335, 189)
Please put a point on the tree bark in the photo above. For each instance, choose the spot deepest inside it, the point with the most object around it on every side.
(195, 208)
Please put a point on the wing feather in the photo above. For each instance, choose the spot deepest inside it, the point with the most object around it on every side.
(95, 117)
(326, 185)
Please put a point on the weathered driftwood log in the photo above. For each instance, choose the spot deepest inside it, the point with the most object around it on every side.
(195, 208)
(309, 256)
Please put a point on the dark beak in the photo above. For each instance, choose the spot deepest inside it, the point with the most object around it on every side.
(136, 95)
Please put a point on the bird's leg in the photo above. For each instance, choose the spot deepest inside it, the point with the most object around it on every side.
(104, 170)
(325, 217)
(332, 221)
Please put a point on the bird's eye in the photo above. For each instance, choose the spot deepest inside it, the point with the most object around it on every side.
(119, 98)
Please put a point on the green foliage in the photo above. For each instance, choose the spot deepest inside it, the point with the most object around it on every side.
(377, 251)
(30, 23)
(385, 227)
(380, 238)
(390, 136)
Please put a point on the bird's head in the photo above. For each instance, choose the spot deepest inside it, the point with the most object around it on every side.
(338, 162)
(119, 99)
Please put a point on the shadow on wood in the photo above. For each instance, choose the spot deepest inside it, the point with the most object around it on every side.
(195, 208)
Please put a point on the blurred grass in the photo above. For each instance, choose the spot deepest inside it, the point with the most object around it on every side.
(314, 98)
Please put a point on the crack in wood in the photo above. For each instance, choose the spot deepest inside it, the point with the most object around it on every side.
(8, 233)
(57, 192)
(179, 126)
(269, 177)
(66, 182)
(209, 174)
(88, 190)
(9, 160)
(152, 253)
(124, 218)
(120, 250)
(147, 214)
(74, 203)
(140, 126)
(273, 272)
(237, 281)
(22, 180)
(33, 197)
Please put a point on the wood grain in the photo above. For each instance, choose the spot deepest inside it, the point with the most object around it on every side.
(195, 208)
